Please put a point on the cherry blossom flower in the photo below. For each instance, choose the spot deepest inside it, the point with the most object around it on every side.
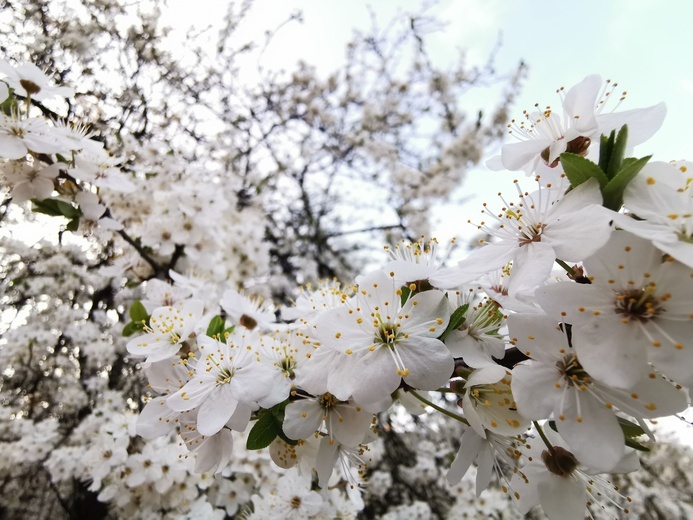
(532, 234)
(30, 181)
(93, 211)
(662, 195)
(477, 340)
(558, 481)
(384, 341)
(227, 384)
(488, 403)
(28, 80)
(168, 328)
(546, 135)
(485, 450)
(555, 382)
(294, 500)
(248, 312)
(636, 309)
(416, 262)
(165, 377)
(96, 166)
(345, 421)
(20, 136)
(213, 452)
(282, 354)
(312, 301)
(162, 294)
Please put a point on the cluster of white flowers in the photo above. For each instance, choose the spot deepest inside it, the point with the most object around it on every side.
(572, 323)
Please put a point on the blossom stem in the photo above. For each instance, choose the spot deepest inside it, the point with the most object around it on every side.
(543, 437)
(565, 266)
(439, 408)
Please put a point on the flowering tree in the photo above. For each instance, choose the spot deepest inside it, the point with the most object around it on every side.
(191, 197)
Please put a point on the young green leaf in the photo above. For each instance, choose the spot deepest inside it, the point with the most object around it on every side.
(617, 153)
(73, 225)
(606, 146)
(456, 320)
(630, 429)
(265, 430)
(579, 170)
(613, 191)
(55, 208)
(216, 328)
(405, 294)
(132, 327)
(138, 312)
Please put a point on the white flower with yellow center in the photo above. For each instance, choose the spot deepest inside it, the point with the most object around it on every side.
(384, 340)
(168, 329)
(637, 308)
(662, 195)
(554, 382)
(229, 380)
(545, 134)
(488, 403)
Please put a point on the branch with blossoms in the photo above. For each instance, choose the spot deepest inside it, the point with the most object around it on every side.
(605, 347)
(573, 323)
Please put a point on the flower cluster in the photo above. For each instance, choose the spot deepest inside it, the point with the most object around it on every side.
(571, 323)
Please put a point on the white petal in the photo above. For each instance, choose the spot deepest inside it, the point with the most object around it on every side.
(596, 422)
(642, 123)
(562, 498)
(470, 445)
(534, 389)
(156, 419)
(428, 360)
(302, 419)
(216, 410)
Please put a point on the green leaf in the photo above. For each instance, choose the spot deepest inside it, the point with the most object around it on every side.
(617, 153)
(10, 106)
(216, 328)
(636, 445)
(606, 146)
(456, 320)
(265, 430)
(73, 225)
(579, 170)
(131, 328)
(613, 191)
(630, 429)
(405, 294)
(55, 208)
(138, 312)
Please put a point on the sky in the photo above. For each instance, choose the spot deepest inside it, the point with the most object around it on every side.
(642, 45)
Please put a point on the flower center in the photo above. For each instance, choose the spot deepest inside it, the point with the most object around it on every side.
(638, 304)
(295, 502)
(531, 233)
(328, 401)
(572, 371)
(387, 334)
(580, 145)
